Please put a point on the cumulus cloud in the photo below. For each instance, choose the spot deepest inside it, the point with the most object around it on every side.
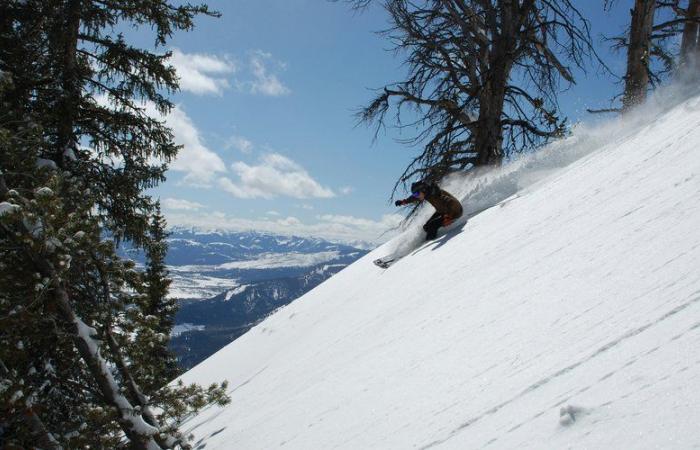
(275, 175)
(199, 163)
(201, 73)
(195, 159)
(346, 190)
(331, 227)
(264, 82)
(181, 204)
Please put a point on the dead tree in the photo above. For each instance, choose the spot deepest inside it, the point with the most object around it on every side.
(690, 44)
(651, 55)
(683, 21)
(483, 77)
(637, 74)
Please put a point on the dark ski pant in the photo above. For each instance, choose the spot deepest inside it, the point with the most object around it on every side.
(436, 221)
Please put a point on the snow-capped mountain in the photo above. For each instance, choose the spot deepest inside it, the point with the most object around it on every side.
(565, 316)
(191, 246)
(199, 247)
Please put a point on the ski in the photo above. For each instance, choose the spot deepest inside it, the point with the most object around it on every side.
(384, 263)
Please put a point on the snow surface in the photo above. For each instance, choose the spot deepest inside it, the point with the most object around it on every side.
(188, 283)
(235, 291)
(567, 316)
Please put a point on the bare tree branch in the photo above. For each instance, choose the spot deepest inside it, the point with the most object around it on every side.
(483, 77)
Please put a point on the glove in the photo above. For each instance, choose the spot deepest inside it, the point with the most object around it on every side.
(398, 202)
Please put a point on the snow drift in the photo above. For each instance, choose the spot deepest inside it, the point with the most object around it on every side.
(566, 316)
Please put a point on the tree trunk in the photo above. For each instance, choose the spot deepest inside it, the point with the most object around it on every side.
(499, 60)
(689, 42)
(488, 137)
(70, 82)
(489, 133)
(637, 76)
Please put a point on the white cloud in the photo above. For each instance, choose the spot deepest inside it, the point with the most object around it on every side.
(346, 190)
(289, 222)
(181, 204)
(387, 221)
(199, 163)
(264, 82)
(345, 220)
(274, 176)
(205, 74)
(272, 213)
(200, 73)
(240, 143)
(332, 227)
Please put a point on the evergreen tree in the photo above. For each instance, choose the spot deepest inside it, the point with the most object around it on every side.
(76, 321)
(159, 309)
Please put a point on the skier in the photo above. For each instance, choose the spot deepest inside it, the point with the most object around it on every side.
(447, 208)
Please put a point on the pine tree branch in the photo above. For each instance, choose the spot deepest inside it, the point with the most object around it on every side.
(43, 437)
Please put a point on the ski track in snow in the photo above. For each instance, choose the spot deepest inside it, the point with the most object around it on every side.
(566, 317)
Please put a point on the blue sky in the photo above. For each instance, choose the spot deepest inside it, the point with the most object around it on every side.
(266, 117)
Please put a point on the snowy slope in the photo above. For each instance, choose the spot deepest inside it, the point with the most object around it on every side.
(567, 317)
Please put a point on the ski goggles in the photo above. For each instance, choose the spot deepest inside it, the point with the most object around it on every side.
(416, 194)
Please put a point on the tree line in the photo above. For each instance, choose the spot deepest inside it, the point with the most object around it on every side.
(484, 76)
(84, 359)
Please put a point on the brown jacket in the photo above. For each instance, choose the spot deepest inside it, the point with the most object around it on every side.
(442, 201)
